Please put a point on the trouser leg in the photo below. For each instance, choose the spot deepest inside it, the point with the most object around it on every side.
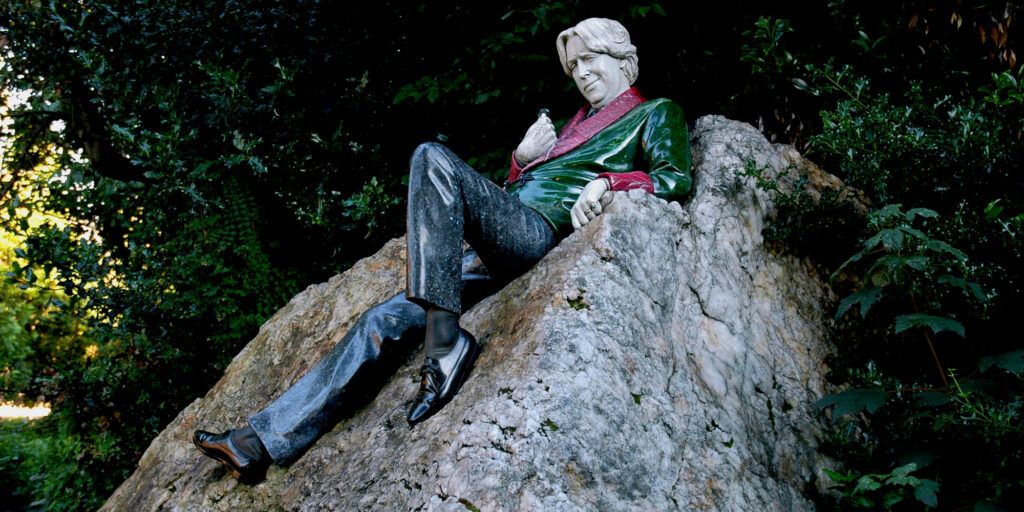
(341, 380)
(450, 202)
(354, 369)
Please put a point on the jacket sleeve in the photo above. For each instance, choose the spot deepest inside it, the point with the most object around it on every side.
(514, 169)
(667, 150)
(628, 180)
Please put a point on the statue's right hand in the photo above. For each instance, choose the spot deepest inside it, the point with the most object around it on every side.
(540, 137)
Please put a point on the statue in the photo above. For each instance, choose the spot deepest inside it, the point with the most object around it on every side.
(618, 141)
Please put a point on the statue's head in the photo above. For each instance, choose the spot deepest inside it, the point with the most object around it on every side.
(598, 56)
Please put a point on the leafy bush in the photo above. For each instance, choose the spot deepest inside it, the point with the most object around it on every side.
(935, 281)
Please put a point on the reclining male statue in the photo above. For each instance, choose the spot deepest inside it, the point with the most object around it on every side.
(619, 141)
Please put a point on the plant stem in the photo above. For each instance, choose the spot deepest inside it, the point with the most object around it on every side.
(927, 338)
(848, 93)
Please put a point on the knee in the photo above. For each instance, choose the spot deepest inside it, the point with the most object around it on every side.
(394, 315)
(430, 156)
(429, 149)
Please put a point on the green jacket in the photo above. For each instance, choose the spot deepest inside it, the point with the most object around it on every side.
(633, 142)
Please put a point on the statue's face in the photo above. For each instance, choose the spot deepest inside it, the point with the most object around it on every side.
(599, 76)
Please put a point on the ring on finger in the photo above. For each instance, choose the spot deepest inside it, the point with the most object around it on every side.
(593, 206)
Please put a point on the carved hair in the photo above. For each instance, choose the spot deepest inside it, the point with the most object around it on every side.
(601, 35)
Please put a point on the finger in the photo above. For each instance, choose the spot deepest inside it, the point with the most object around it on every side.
(576, 216)
(583, 215)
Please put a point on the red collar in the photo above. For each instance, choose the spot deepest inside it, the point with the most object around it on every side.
(580, 128)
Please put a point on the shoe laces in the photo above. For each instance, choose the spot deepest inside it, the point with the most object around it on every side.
(430, 376)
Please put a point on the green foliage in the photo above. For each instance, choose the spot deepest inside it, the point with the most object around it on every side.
(371, 206)
(883, 491)
(197, 163)
(45, 467)
(906, 119)
(903, 260)
(821, 224)
(853, 401)
(764, 53)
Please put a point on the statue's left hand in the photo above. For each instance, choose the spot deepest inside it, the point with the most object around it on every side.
(592, 201)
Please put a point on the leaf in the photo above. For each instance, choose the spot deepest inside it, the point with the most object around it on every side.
(838, 477)
(892, 239)
(986, 506)
(932, 399)
(887, 211)
(940, 246)
(927, 492)
(923, 212)
(963, 284)
(866, 484)
(854, 400)
(915, 233)
(936, 323)
(1010, 361)
(866, 297)
(902, 476)
(870, 243)
(993, 210)
(917, 262)
(853, 259)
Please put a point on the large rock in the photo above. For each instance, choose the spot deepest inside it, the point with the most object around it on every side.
(661, 358)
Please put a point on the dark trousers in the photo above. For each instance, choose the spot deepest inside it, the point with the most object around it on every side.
(448, 202)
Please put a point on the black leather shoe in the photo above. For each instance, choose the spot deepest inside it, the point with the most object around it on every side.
(441, 378)
(246, 467)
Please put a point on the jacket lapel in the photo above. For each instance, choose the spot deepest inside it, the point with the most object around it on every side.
(580, 129)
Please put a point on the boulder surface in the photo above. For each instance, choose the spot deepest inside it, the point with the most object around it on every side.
(661, 358)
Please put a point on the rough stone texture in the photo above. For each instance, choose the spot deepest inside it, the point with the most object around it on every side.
(661, 358)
